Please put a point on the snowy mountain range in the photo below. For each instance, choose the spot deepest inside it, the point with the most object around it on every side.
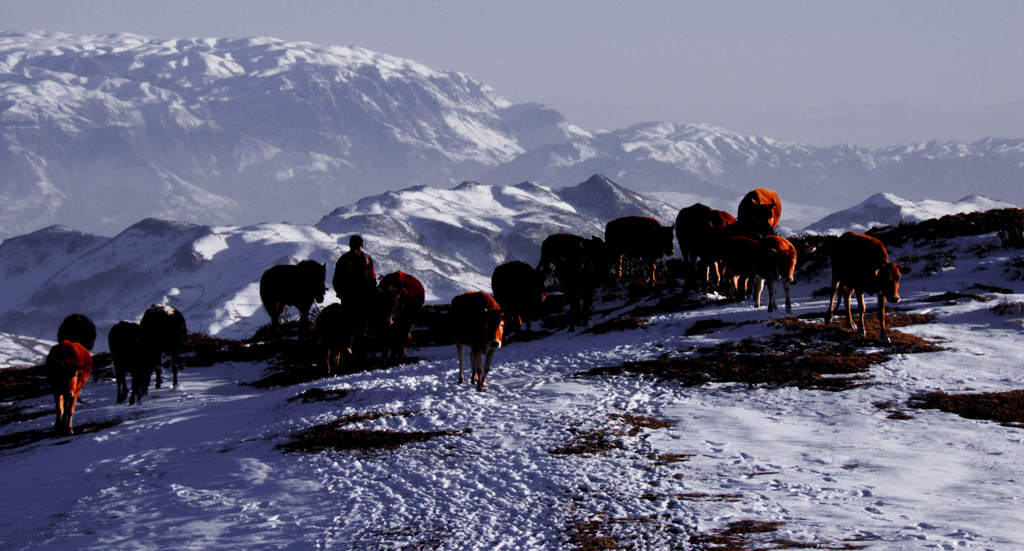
(98, 132)
(887, 209)
(451, 239)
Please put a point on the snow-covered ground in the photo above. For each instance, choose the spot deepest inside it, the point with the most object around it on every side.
(199, 467)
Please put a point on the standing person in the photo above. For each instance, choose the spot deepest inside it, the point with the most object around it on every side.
(355, 283)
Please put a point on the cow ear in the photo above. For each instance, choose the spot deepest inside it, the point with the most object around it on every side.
(904, 269)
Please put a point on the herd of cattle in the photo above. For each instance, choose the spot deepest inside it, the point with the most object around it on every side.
(736, 255)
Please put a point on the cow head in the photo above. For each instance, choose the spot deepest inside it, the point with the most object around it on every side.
(887, 279)
(493, 328)
(313, 277)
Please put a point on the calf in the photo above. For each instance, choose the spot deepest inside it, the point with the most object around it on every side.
(519, 289)
(768, 260)
(476, 322)
(133, 357)
(638, 237)
(860, 264)
(165, 332)
(580, 265)
(68, 367)
(77, 328)
(701, 230)
(332, 330)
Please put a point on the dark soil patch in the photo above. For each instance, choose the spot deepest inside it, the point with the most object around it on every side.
(1003, 407)
(24, 438)
(621, 323)
(604, 439)
(807, 355)
(320, 395)
(757, 535)
(601, 533)
(332, 436)
(708, 326)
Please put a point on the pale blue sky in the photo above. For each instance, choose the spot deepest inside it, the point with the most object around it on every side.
(772, 68)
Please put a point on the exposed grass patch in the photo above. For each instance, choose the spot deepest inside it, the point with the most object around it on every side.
(1002, 407)
(807, 355)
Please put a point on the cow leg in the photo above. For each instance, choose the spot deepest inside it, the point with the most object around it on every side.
(476, 361)
(785, 288)
(69, 412)
(881, 319)
(831, 301)
(59, 406)
(160, 372)
(773, 292)
(459, 347)
(175, 363)
(122, 384)
(485, 370)
(755, 289)
(848, 300)
(861, 306)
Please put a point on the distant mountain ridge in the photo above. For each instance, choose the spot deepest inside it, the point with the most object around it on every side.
(97, 132)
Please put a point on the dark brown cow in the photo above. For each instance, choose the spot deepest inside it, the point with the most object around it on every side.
(132, 356)
(638, 237)
(700, 230)
(332, 330)
(519, 289)
(860, 264)
(68, 367)
(78, 328)
(164, 330)
(768, 260)
(298, 285)
(404, 296)
(759, 213)
(580, 265)
(477, 322)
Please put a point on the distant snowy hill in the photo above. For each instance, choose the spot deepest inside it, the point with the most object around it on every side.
(97, 132)
(887, 209)
(450, 239)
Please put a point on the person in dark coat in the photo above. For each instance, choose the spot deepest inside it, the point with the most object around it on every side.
(355, 283)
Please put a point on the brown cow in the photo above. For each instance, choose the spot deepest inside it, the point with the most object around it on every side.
(759, 213)
(68, 367)
(519, 289)
(165, 332)
(298, 285)
(860, 263)
(700, 230)
(476, 322)
(639, 237)
(404, 296)
(78, 328)
(132, 356)
(768, 260)
(579, 265)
